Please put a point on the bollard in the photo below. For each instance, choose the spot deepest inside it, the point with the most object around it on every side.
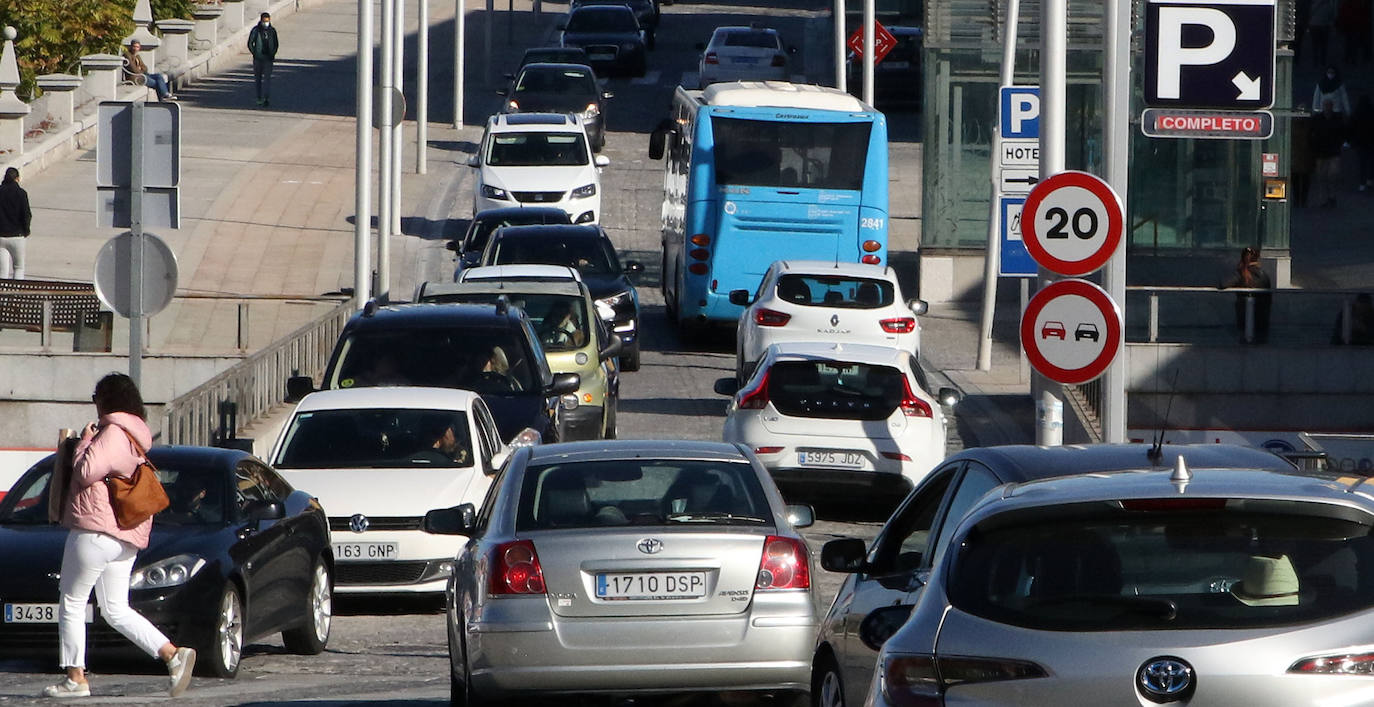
(45, 331)
(243, 326)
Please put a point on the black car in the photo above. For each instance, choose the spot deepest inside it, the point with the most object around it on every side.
(553, 55)
(451, 346)
(560, 88)
(239, 554)
(897, 78)
(646, 12)
(588, 250)
(887, 576)
(611, 36)
(469, 248)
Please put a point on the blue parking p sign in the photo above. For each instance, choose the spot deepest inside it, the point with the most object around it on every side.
(1020, 112)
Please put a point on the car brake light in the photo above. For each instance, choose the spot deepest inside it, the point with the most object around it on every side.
(783, 565)
(913, 406)
(757, 397)
(711, 58)
(516, 570)
(779, 60)
(921, 680)
(898, 456)
(767, 450)
(771, 317)
(900, 325)
(870, 259)
(1343, 664)
(1166, 505)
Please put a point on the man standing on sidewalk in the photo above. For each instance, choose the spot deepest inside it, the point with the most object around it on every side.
(262, 44)
(15, 217)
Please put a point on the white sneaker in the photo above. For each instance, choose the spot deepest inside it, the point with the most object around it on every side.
(68, 688)
(180, 667)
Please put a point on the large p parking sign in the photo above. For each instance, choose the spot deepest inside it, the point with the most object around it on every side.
(1209, 54)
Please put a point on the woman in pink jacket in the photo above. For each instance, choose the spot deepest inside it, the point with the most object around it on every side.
(99, 554)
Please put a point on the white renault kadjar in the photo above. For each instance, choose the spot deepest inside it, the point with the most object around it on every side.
(819, 300)
(378, 459)
(826, 412)
(538, 159)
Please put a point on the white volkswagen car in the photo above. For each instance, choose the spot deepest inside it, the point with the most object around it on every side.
(378, 458)
(538, 159)
(837, 413)
(819, 300)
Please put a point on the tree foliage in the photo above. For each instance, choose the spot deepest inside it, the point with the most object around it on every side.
(53, 35)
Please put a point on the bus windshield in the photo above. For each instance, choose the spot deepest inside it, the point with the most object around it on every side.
(765, 153)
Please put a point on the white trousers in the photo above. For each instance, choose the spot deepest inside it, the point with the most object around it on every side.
(96, 560)
(12, 266)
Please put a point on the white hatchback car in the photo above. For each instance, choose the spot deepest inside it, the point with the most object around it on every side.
(742, 54)
(380, 457)
(837, 413)
(538, 159)
(818, 300)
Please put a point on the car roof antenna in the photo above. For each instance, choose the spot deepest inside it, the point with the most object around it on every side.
(1156, 450)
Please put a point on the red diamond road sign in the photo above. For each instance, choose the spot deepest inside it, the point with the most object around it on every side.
(883, 42)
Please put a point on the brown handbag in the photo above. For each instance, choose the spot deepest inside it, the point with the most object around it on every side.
(140, 496)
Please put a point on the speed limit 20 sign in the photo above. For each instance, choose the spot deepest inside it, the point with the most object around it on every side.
(1072, 223)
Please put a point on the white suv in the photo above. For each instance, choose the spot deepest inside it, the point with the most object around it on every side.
(538, 159)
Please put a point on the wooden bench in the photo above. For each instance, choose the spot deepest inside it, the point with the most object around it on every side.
(73, 307)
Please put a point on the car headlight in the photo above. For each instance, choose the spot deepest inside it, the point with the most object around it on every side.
(512, 105)
(170, 572)
(492, 192)
(615, 300)
(591, 111)
(629, 46)
(584, 191)
(569, 402)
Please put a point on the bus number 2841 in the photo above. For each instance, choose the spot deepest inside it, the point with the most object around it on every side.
(871, 223)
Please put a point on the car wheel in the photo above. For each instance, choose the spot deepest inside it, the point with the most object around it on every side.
(629, 360)
(827, 689)
(310, 638)
(223, 647)
(460, 693)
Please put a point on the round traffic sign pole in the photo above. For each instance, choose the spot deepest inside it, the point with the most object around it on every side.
(1072, 223)
(1071, 331)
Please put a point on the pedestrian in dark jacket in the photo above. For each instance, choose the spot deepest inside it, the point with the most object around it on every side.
(262, 44)
(1327, 138)
(15, 219)
(1250, 274)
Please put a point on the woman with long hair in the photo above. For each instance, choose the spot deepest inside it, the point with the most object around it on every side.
(1251, 275)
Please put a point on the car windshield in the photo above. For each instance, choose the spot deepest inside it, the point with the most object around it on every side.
(758, 40)
(570, 55)
(835, 390)
(1176, 563)
(537, 149)
(787, 154)
(835, 291)
(483, 360)
(377, 438)
(586, 255)
(482, 228)
(603, 19)
(560, 320)
(641, 492)
(560, 81)
(197, 496)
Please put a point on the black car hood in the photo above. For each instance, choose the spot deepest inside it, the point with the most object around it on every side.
(29, 554)
(581, 39)
(605, 285)
(553, 103)
(513, 413)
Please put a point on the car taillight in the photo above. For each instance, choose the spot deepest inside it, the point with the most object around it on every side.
(698, 268)
(783, 565)
(872, 246)
(515, 569)
(711, 58)
(900, 325)
(913, 406)
(700, 254)
(921, 680)
(871, 259)
(757, 397)
(767, 450)
(1342, 664)
(770, 317)
(896, 456)
(701, 239)
(779, 60)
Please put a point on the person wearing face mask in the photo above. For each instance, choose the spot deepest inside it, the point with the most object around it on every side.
(262, 44)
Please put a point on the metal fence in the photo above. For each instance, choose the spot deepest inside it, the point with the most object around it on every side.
(253, 385)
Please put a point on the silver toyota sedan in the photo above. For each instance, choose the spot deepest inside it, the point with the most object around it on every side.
(629, 568)
(1215, 587)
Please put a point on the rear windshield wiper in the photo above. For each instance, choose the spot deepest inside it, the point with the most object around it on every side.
(713, 516)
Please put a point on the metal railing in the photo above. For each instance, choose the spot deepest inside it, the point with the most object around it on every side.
(255, 384)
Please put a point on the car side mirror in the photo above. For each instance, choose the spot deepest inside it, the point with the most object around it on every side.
(612, 348)
(474, 162)
(564, 383)
(498, 460)
(949, 397)
(739, 297)
(602, 161)
(658, 139)
(455, 246)
(800, 515)
(845, 555)
(607, 95)
(264, 510)
(633, 267)
(726, 386)
(298, 387)
(918, 306)
(458, 520)
(881, 623)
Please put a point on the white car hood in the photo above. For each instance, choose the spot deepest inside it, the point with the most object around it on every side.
(386, 492)
(539, 178)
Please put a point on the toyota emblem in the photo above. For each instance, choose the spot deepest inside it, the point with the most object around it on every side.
(358, 523)
(1166, 679)
(834, 320)
(650, 546)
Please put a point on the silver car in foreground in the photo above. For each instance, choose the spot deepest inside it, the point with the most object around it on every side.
(1197, 587)
(629, 568)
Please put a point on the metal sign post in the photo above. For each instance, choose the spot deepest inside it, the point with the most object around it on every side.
(996, 223)
(422, 90)
(841, 71)
(869, 53)
(1049, 428)
(362, 175)
(1116, 128)
(136, 228)
(459, 44)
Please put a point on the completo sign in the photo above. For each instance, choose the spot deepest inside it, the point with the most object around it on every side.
(1229, 125)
